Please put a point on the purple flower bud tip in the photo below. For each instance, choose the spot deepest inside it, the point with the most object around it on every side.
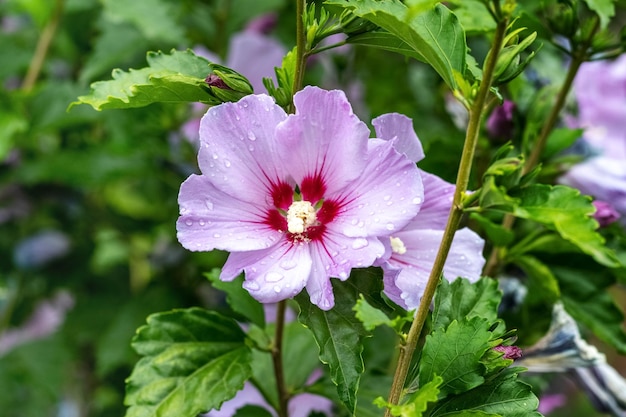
(215, 81)
(500, 122)
(510, 352)
(605, 213)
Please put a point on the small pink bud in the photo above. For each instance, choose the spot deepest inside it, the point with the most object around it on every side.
(510, 352)
(500, 122)
(215, 81)
(605, 213)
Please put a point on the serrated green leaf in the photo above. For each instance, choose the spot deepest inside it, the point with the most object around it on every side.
(417, 402)
(175, 77)
(238, 298)
(193, 361)
(568, 212)
(436, 35)
(370, 317)
(463, 300)
(504, 396)
(339, 334)
(252, 411)
(454, 353)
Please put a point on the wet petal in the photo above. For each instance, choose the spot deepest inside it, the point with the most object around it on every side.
(238, 149)
(323, 137)
(434, 212)
(386, 196)
(271, 275)
(399, 127)
(211, 219)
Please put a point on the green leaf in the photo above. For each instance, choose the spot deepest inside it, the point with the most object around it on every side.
(604, 8)
(474, 16)
(435, 35)
(503, 396)
(559, 140)
(587, 299)
(238, 298)
(339, 334)
(372, 317)
(568, 212)
(496, 233)
(461, 300)
(252, 411)
(417, 402)
(542, 276)
(193, 361)
(154, 18)
(454, 354)
(175, 77)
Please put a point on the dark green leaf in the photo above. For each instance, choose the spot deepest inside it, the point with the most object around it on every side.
(436, 35)
(504, 396)
(604, 8)
(454, 354)
(252, 411)
(496, 233)
(542, 276)
(559, 140)
(461, 300)
(193, 361)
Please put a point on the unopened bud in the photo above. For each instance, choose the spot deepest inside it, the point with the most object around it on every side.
(605, 213)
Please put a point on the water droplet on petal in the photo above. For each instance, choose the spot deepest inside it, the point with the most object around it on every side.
(215, 156)
(273, 276)
(227, 163)
(216, 235)
(390, 226)
(277, 289)
(353, 222)
(251, 285)
(209, 204)
(359, 243)
(251, 135)
(201, 222)
(288, 264)
(387, 198)
(188, 222)
(417, 200)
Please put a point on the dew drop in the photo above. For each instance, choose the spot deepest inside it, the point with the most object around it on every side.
(250, 148)
(215, 156)
(354, 222)
(183, 210)
(251, 285)
(208, 204)
(390, 226)
(273, 276)
(288, 264)
(216, 235)
(277, 289)
(227, 163)
(237, 117)
(417, 200)
(387, 198)
(202, 223)
(361, 224)
(359, 243)
(244, 104)
(188, 222)
(251, 135)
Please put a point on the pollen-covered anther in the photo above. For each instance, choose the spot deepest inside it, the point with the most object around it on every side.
(300, 216)
(397, 245)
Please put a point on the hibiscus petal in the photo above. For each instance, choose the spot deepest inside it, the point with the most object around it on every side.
(323, 137)
(238, 152)
(465, 260)
(386, 196)
(394, 125)
(273, 274)
(434, 212)
(211, 219)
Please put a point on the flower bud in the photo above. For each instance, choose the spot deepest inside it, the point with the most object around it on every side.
(500, 122)
(226, 84)
(605, 213)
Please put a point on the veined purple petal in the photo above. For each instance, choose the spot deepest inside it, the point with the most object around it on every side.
(393, 125)
(323, 138)
(211, 219)
(438, 195)
(386, 195)
(238, 151)
(273, 274)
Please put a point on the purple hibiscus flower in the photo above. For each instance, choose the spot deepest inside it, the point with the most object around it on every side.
(600, 89)
(296, 199)
(414, 247)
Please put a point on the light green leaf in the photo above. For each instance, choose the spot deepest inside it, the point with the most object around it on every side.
(604, 8)
(454, 354)
(193, 360)
(372, 317)
(503, 396)
(496, 233)
(175, 77)
(435, 35)
(417, 402)
(568, 212)
(461, 300)
(238, 298)
(154, 18)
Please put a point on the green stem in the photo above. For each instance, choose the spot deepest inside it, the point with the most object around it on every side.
(277, 359)
(456, 211)
(300, 47)
(42, 48)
